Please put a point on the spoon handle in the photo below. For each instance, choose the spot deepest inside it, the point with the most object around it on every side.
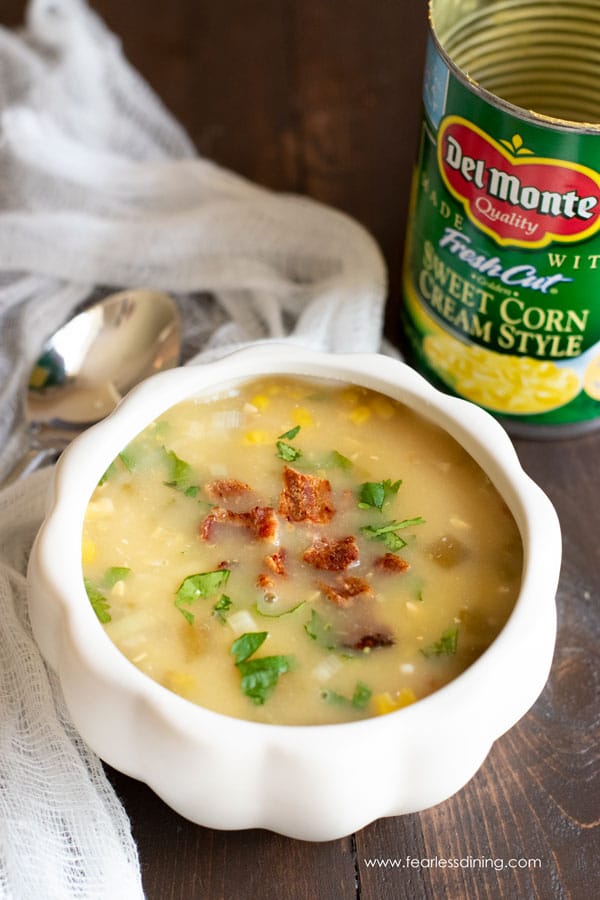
(31, 461)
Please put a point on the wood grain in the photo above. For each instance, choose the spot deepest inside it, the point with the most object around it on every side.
(323, 97)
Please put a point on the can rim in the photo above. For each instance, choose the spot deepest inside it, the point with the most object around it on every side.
(529, 115)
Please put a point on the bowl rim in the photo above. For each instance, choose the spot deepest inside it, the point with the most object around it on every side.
(476, 430)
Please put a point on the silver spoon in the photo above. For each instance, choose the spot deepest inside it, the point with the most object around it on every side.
(88, 365)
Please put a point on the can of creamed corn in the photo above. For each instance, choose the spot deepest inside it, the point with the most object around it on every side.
(502, 265)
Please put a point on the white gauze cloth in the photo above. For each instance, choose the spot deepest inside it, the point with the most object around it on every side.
(101, 188)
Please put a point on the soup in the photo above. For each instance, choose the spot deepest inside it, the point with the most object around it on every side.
(299, 551)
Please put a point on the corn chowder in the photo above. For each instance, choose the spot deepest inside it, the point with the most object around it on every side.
(299, 552)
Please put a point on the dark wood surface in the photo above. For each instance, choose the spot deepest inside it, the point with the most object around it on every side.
(323, 97)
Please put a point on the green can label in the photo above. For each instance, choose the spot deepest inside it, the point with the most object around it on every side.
(502, 268)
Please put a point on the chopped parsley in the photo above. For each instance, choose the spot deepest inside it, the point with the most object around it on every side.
(359, 700)
(289, 435)
(108, 473)
(221, 608)
(200, 586)
(180, 474)
(373, 494)
(339, 461)
(129, 458)
(320, 631)
(388, 532)
(244, 646)
(100, 604)
(259, 676)
(285, 451)
(361, 695)
(96, 596)
(263, 610)
(446, 646)
(114, 574)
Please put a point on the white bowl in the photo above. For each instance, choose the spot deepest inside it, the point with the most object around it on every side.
(317, 782)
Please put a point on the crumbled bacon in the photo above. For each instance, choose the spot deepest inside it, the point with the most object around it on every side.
(391, 563)
(346, 590)
(229, 492)
(261, 521)
(265, 582)
(371, 641)
(333, 556)
(305, 497)
(276, 562)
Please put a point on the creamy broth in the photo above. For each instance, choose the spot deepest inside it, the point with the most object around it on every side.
(299, 552)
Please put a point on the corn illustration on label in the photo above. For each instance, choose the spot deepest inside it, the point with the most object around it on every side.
(502, 265)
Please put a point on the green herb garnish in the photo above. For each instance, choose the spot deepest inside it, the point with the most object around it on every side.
(114, 574)
(446, 646)
(244, 646)
(320, 631)
(277, 615)
(100, 604)
(181, 474)
(388, 532)
(361, 695)
(221, 607)
(128, 457)
(339, 461)
(109, 473)
(200, 586)
(359, 699)
(373, 494)
(259, 676)
(290, 435)
(285, 451)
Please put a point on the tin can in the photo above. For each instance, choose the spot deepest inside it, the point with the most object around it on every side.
(502, 266)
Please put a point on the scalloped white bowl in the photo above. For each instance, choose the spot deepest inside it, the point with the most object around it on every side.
(310, 782)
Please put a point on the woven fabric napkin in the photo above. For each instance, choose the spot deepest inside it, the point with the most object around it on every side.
(100, 188)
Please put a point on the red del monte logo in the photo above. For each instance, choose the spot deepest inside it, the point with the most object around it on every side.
(517, 198)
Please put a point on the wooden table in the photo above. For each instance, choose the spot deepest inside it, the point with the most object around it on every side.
(322, 97)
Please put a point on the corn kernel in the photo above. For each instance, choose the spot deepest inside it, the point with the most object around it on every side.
(405, 698)
(256, 436)
(385, 703)
(302, 417)
(360, 414)
(260, 401)
(88, 552)
(382, 407)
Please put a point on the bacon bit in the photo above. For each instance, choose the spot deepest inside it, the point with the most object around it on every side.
(265, 582)
(371, 641)
(392, 563)
(226, 489)
(227, 564)
(218, 514)
(230, 492)
(276, 562)
(261, 521)
(333, 556)
(345, 592)
(305, 497)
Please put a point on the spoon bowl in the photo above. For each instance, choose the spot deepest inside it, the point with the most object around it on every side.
(91, 362)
